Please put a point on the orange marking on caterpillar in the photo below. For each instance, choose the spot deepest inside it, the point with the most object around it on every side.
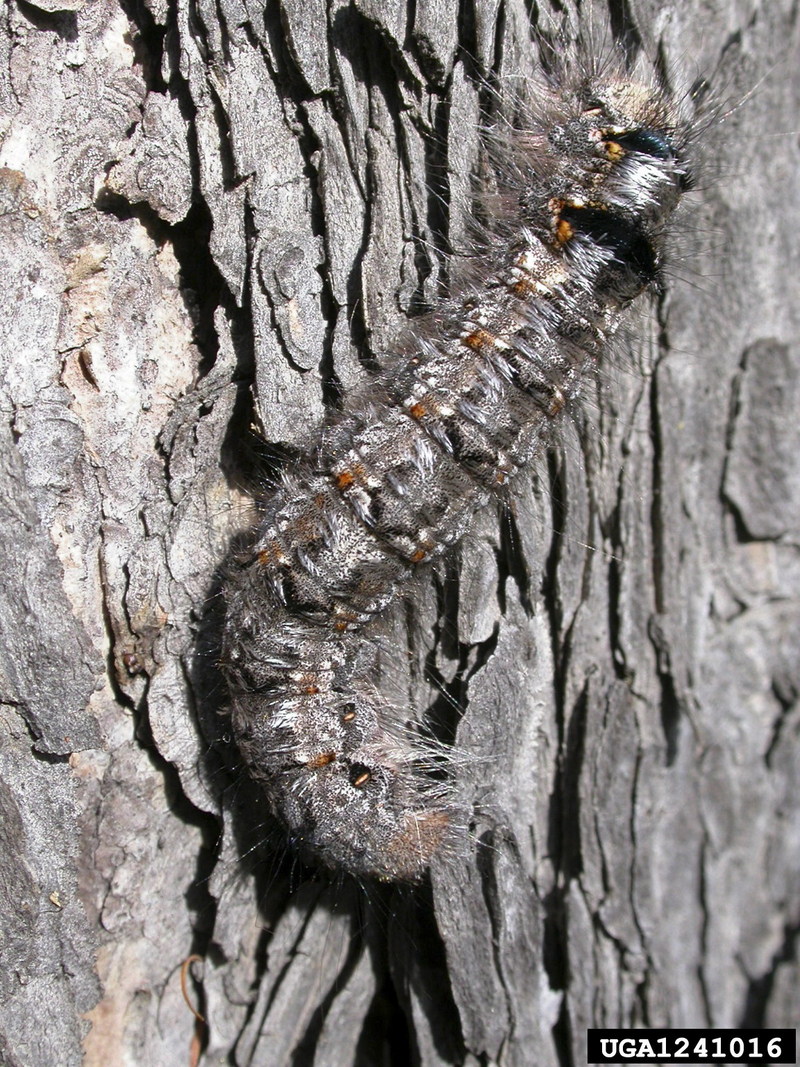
(271, 553)
(480, 338)
(524, 287)
(557, 403)
(316, 763)
(614, 151)
(564, 231)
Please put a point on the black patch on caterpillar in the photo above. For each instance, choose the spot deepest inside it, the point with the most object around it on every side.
(634, 264)
(648, 142)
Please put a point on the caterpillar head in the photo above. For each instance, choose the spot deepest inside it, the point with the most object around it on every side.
(620, 169)
(637, 126)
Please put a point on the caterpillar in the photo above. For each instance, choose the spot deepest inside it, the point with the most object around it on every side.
(584, 189)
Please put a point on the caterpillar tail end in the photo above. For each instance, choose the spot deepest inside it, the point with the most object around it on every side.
(403, 856)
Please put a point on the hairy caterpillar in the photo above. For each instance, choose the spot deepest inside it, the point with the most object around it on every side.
(584, 190)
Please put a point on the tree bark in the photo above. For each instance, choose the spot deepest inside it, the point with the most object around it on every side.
(218, 217)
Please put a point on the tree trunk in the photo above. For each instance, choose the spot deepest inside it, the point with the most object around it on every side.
(217, 218)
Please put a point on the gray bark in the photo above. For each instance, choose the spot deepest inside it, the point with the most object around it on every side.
(210, 214)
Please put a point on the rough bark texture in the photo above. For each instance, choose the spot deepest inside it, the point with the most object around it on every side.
(215, 210)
